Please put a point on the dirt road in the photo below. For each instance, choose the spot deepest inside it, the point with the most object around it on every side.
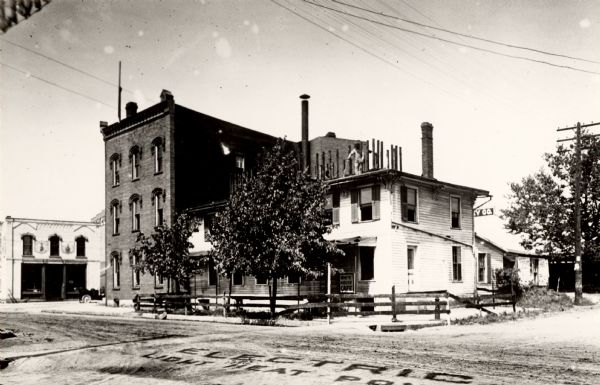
(559, 349)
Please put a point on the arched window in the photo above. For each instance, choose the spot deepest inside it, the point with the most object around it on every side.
(135, 205)
(135, 154)
(54, 245)
(115, 259)
(158, 198)
(28, 244)
(115, 166)
(80, 246)
(157, 153)
(115, 210)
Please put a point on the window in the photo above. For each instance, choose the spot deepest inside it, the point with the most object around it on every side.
(158, 281)
(80, 246)
(240, 163)
(293, 277)
(116, 264)
(208, 219)
(408, 199)
(135, 272)
(455, 212)
(54, 245)
(456, 264)
(367, 269)
(534, 265)
(134, 157)
(135, 204)
(27, 244)
(410, 257)
(157, 199)
(115, 209)
(115, 165)
(332, 208)
(262, 280)
(481, 260)
(365, 204)
(212, 274)
(238, 278)
(157, 153)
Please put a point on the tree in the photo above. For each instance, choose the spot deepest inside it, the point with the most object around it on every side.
(273, 224)
(542, 205)
(166, 251)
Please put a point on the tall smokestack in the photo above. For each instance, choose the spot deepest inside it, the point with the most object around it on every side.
(427, 149)
(305, 150)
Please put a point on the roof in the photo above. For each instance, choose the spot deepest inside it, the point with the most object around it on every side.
(513, 252)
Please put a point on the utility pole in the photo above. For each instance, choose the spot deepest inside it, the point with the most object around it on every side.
(577, 196)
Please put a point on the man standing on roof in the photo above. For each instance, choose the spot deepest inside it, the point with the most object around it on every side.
(359, 158)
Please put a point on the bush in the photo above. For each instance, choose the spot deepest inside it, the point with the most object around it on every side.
(544, 299)
(505, 278)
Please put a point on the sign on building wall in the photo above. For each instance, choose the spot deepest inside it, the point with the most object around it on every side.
(483, 212)
(347, 283)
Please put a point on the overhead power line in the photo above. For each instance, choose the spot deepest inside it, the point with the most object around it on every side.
(55, 84)
(63, 64)
(451, 41)
(464, 34)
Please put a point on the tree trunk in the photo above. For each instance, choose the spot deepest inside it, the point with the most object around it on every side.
(273, 296)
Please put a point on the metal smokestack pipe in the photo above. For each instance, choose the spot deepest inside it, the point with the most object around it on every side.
(305, 149)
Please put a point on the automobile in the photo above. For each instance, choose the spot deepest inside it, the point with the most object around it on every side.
(86, 296)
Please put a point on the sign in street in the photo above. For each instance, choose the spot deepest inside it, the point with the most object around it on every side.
(483, 212)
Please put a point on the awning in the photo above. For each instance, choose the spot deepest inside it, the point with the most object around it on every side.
(360, 241)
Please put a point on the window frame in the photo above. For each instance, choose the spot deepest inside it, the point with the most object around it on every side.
(410, 248)
(136, 275)
(159, 218)
(135, 156)
(135, 206)
(57, 245)
(157, 154)
(479, 268)
(31, 240)
(115, 167)
(459, 219)
(456, 264)
(115, 210)
(212, 274)
(405, 206)
(116, 265)
(360, 263)
(233, 279)
(159, 281)
(261, 284)
(357, 204)
(80, 240)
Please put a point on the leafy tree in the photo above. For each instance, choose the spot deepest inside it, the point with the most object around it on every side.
(542, 206)
(273, 224)
(165, 252)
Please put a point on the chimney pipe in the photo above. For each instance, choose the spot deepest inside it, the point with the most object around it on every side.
(427, 149)
(130, 109)
(305, 150)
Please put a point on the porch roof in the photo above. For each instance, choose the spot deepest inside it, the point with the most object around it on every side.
(359, 240)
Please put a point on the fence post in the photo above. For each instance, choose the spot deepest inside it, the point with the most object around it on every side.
(493, 297)
(394, 304)
(224, 306)
(512, 293)
(448, 307)
(437, 308)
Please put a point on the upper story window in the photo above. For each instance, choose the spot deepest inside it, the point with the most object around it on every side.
(332, 208)
(408, 199)
(208, 219)
(135, 204)
(135, 154)
(455, 212)
(157, 154)
(115, 210)
(54, 245)
(365, 204)
(456, 264)
(157, 201)
(115, 166)
(80, 246)
(28, 244)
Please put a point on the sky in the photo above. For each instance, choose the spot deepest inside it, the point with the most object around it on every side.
(247, 62)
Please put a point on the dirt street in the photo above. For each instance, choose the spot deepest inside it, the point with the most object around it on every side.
(50, 349)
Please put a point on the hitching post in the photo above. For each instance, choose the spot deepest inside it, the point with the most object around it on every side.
(394, 304)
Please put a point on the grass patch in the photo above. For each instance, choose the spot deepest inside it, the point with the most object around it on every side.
(545, 300)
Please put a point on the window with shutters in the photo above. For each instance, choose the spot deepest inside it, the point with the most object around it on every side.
(365, 204)
(455, 212)
(332, 208)
(408, 198)
(456, 264)
(481, 261)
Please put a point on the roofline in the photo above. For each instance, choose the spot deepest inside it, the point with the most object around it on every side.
(404, 175)
(13, 219)
(520, 253)
(446, 238)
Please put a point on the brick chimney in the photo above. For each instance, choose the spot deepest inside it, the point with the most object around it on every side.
(130, 109)
(305, 150)
(166, 95)
(427, 149)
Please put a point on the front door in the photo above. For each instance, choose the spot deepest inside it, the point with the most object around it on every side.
(410, 266)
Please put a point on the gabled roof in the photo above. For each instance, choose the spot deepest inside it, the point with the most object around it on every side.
(508, 251)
